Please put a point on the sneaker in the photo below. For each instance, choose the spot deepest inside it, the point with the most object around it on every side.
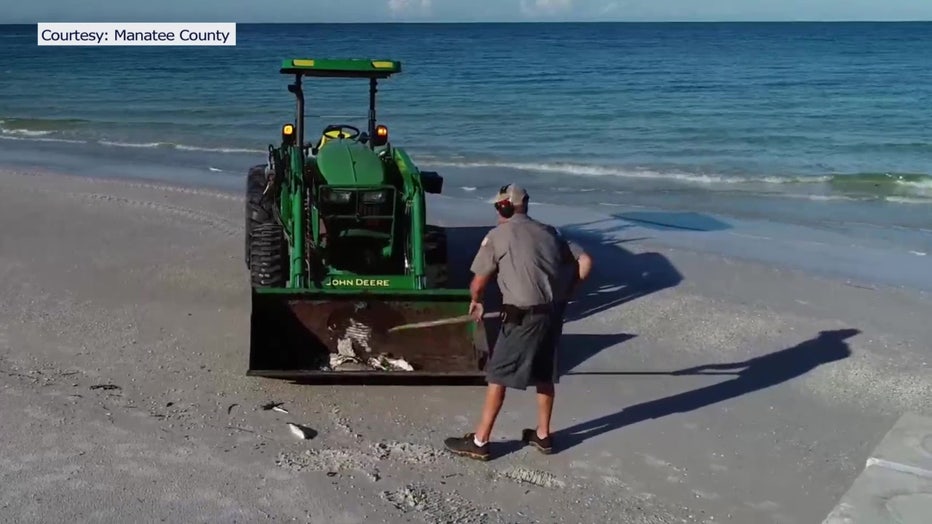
(529, 436)
(466, 446)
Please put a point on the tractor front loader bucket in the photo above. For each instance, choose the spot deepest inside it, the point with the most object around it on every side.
(342, 336)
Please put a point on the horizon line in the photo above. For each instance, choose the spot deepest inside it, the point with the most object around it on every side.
(513, 22)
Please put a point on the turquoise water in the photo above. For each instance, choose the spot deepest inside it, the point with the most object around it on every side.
(828, 125)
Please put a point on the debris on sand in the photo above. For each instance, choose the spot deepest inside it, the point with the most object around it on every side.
(341, 362)
(302, 432)
(532, 476)
(271, 405)
(357, 333)
(408, 452)
(386, 362)
(437, 506)
(280, 409)
(106, 387)
(347, 357)
(330, 461)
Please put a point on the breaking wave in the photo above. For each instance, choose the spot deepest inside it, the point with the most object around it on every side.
(44, 125)
(903, 188)
(183, 147)
(590, 170)
(41, 139)
(75, 131)
(24, 132)
(146, 145)
(180, 147)
(860, 182)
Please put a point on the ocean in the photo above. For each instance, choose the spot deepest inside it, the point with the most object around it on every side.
(827, 125)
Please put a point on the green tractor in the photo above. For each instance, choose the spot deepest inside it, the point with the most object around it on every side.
(341, 256)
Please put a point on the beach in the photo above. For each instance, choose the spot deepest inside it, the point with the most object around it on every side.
(756, 198)
(716, 370)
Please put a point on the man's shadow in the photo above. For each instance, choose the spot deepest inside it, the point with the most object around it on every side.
(618, 276)
(750, 375)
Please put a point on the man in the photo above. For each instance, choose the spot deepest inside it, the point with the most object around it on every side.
(531, 260)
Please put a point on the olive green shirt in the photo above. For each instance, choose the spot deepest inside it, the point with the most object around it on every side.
(531, 259)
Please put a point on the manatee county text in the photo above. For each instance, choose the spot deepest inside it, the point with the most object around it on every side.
(123, 35)
(184, 35)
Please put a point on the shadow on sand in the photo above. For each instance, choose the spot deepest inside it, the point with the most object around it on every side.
(673, 221)
(659, 221)
(620, 276)
(751, 375)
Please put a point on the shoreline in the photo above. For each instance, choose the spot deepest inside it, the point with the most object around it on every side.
(884, 208)
(790, 247)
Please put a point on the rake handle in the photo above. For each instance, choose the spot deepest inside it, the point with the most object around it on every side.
(441, 322)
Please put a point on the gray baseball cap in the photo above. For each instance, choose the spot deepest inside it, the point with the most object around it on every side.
(511, 192)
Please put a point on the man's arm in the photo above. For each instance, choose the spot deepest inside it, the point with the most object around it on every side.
(581, 260)
(478, 285)
(484, 265)
(585, 265)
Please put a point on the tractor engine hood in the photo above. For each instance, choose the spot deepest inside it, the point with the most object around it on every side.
(350, 163)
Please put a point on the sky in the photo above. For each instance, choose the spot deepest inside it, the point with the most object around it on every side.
(457, 10)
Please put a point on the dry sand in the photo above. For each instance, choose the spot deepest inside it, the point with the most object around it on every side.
(123, 342)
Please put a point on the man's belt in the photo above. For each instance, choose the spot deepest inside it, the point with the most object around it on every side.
(512, 314)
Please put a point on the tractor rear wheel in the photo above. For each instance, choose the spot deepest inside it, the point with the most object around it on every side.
(266, 248)
(268, 260)
(258, 206)
(435, 256)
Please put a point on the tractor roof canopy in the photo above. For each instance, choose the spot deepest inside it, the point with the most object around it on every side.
(349, 67)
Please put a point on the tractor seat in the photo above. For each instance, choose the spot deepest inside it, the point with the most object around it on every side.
(336, 134)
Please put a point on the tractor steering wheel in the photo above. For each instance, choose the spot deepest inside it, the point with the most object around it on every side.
(337, 131)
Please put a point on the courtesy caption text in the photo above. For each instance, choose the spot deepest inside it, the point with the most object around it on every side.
(136, 34)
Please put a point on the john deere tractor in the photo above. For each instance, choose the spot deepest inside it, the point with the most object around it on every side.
(339, 252)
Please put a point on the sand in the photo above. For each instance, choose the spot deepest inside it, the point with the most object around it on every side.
(123, 342)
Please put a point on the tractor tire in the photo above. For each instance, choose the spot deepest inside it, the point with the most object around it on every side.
(258, 209)
(435, 257)
(268, 260)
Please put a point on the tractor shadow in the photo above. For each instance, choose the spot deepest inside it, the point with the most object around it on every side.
(749, 376)
(618, 276)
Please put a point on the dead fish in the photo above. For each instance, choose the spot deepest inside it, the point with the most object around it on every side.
(400, 363)
(301, 432)
(387, 363)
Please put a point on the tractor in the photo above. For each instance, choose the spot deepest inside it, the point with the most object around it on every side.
(341, 257)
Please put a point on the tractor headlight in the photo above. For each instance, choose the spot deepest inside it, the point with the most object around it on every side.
(375, 197)
(338, 197)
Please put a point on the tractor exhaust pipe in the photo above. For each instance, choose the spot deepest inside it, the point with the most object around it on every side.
(299, 117)
(373, 88)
